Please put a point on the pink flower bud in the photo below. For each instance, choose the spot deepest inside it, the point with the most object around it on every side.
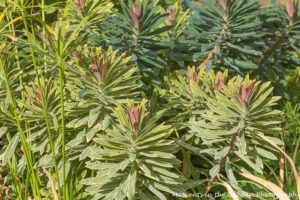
(245, 93)
(133, 117)
(80, 4)
(46, 37)
(291, 8)
(99, 67)
(38, 94)
(135, 14)
(76, 56)
(171, 18)
(137, 8)
(218, 84)
(223, 4)
(192, 76)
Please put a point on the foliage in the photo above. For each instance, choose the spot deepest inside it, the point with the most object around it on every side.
(147, 99)
(227, 31)
(97, 82)
(140, 38)
(136, 158)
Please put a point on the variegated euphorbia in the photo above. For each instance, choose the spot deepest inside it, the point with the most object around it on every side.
(140, 163)
(230, 124)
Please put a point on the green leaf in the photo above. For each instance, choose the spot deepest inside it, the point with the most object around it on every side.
(229, 172)
(155, 191)
(266, 154)
(81, 122)
(91, 134)
(214, 171)
(159, 30)
(93, 119)
(10, 149)
(222, 153)
(246, 159)
(154, 61)
(3, 130)
(243, 63)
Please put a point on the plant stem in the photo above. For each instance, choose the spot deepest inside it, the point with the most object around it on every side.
(44, 36)
(214, 49)
(27, 184)
(43, 103)
(61, 38)
(222, 161)
(62, 125)
(12, 28)
(282, 162)
(23, 139)
(296, 150)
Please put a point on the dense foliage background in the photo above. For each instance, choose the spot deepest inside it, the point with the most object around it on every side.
(142, 99)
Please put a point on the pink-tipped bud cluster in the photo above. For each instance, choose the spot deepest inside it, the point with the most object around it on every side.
(245, 93)
(171, 18)
(78, 56)
(218, 84)
(135, 14)
(290, 8)
(133, 117)
(46, 37)
(80, 4)
(192, 76)
(224, 4)
(99, 66)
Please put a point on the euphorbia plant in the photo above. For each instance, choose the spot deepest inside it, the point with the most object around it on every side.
(187, 94)
(108, 149)
(137, 29)
(32, 112)
(227, 129)
(98, 80)
(135, 158)
(224, 34)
